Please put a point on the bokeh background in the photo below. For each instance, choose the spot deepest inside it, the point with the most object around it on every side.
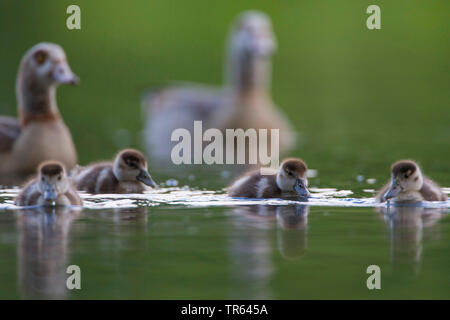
(359, 98)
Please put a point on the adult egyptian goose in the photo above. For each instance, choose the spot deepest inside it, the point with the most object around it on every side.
(40, 133)
(52, 187)
(409, 185)
(244, 102)
(127, 174)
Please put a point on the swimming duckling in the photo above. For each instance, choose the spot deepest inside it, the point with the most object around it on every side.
(244, 102)
(408, 184)
(290, 180)
(51, 187)
(40, 134)
(127, 174)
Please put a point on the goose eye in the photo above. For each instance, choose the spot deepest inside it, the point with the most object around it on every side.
(406, 176)
(40, 57)
(59, 178)
(42, 179)
(132, 164)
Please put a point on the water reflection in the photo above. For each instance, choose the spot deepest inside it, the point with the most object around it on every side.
(409, 227)
(122, 216)
(292, 231)
(251, 245)
(42, 252)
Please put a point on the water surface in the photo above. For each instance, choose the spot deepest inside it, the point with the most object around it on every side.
(183, 243)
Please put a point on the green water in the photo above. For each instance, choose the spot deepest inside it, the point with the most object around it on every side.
(226, 253)
(360, 100)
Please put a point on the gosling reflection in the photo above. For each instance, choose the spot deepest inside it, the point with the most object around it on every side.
(251, 245)
(42, 252)
(409, 227)
(129, 223)
(123, 218)
(292, 234)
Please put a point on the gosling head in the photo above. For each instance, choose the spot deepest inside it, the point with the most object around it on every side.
(292, 177)
(43, 66)
(406, 176)
(130, 165)
(252, 35)
(52, 180)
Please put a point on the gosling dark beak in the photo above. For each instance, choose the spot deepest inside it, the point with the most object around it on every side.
(145, 178)
(301, 189)
(393, 191)
(50, 194)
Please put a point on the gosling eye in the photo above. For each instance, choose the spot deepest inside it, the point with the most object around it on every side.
(59, 178)
(406, 176)
(132, 165)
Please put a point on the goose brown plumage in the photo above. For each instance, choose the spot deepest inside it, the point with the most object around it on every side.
(40, 133)
(126, 174)
(243, 103)
(409, 185)
(290, 180)
(52, 186)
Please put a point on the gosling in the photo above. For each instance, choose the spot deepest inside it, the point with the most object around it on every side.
(127, 174)
(409, 185)
(290, 180)
(52, 187)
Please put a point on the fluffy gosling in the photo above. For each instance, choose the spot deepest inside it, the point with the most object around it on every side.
(290, 180)
(51, 187)
(409, 185)
(127, 174)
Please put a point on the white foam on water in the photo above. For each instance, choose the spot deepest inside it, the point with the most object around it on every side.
(184, 196)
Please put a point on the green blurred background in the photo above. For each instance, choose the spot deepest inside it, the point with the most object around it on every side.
(360, 98)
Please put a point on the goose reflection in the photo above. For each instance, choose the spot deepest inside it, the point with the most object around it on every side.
(251, 245)
(292, 231)
(43, 252)
(409, 227)
(122, 218)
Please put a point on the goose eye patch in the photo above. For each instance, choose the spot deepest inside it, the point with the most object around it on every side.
(40, 56)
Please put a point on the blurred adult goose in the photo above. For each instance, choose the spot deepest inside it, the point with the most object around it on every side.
(40, 133)
(51, 187)
(290, 180)
(244, 102)
(409, 185)
(127, 174)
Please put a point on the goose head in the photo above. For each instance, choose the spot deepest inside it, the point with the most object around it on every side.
(252, 34)
(292, 177)
(45, 65)
(52, 180)
(251, 45)
(130, 165)
(406, 176)
(41, 70)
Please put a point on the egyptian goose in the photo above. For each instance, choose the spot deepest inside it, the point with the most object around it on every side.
(127, 174)
(244, 102)
(409, 185)
(290, 180)
(40, 133)
(52, 186)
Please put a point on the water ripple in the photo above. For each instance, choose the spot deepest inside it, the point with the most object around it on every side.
(185, 196)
